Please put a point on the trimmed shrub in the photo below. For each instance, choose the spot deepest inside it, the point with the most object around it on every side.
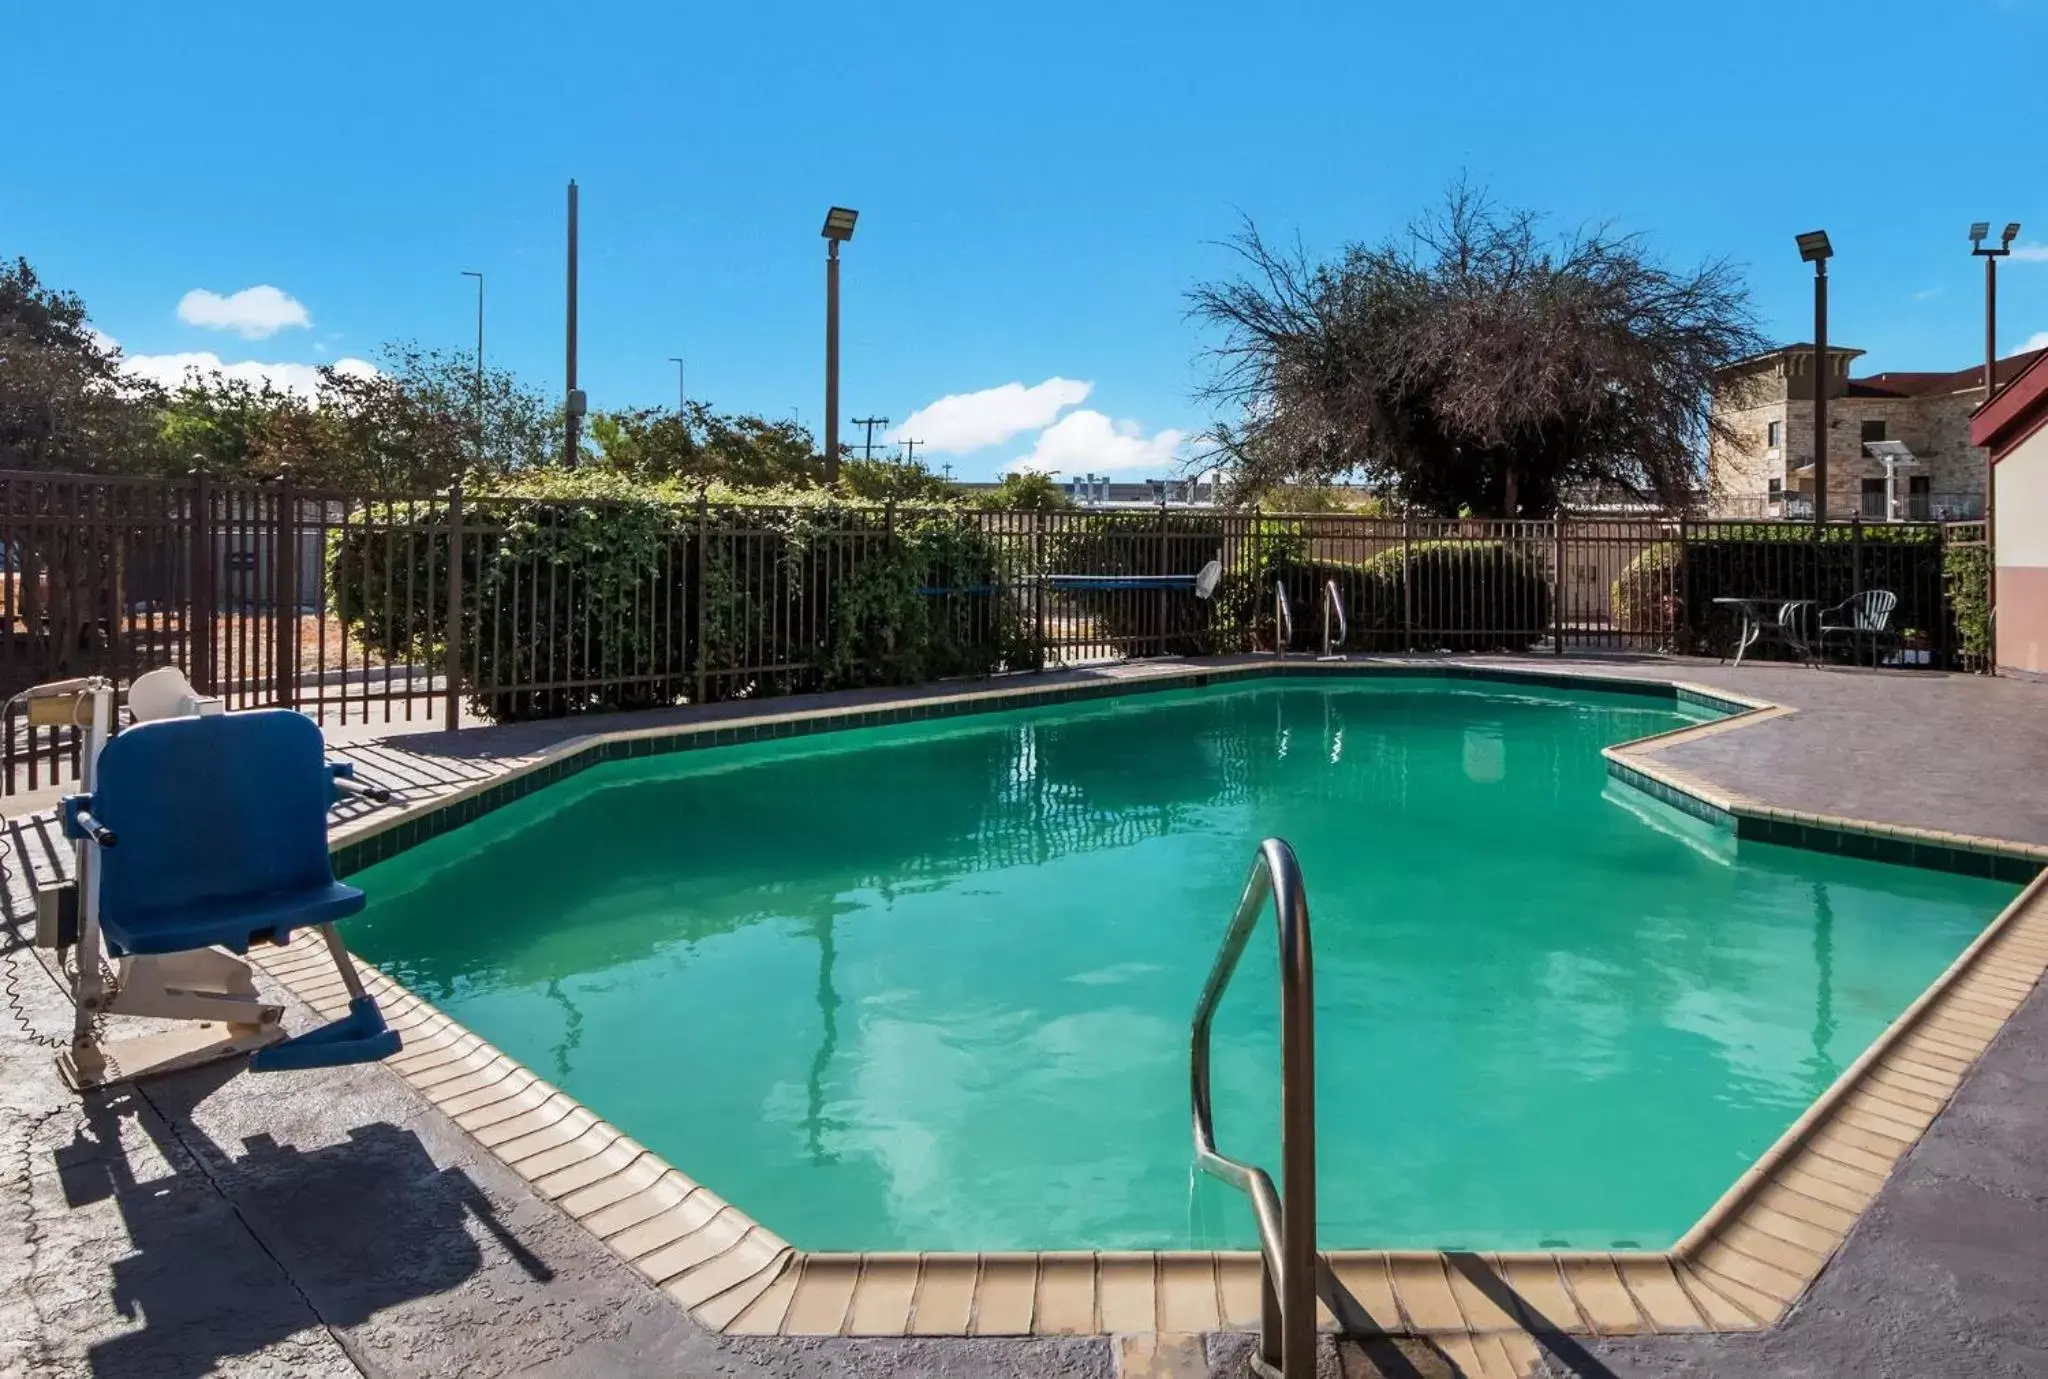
(582, 592)
(1667, 594)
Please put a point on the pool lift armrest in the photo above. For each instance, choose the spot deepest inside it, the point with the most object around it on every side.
(346, 786)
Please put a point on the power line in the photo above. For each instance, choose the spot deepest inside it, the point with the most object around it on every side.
(867, 447)
(910, 450)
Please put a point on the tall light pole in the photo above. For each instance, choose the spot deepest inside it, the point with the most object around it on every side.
(681, 396)
(1979, 232)
(1815, 249)
(838, 229)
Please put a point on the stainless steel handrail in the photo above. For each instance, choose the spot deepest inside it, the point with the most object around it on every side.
(1333, 601)
(1287, 1223)
(1283, 619)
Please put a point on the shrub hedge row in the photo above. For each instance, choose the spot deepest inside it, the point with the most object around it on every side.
(1667, 592)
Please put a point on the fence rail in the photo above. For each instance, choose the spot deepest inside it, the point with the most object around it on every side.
(339, 604)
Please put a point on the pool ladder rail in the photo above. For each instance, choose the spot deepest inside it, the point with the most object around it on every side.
(1333, 613)
(1287, 1219)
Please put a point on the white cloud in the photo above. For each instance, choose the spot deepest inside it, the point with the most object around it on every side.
(1926, 294)
(171, 370)
(1088, 441)
(960, 422)
(253, 313)
(2037, 341)
(2030, 253)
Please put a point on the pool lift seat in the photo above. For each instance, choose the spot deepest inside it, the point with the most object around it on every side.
(198, 835)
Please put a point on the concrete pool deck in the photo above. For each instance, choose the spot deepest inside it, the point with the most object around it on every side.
(1929, 752)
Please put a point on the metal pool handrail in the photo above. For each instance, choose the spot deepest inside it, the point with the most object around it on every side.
(1287, 1224)
(1333, 602)
(1283, 619)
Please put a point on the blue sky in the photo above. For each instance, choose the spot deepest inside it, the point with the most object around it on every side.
(1038, 186)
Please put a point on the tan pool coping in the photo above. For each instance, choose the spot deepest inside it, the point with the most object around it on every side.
(1740, 1267)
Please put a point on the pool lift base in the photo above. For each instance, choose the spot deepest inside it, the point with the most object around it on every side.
(210, 991)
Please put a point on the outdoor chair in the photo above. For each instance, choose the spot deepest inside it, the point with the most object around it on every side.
(198, 834)
(1860, 620)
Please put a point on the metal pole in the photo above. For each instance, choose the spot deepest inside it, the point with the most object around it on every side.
(1820, 393)
(682, 397)
(451, 666)
(1990, 468)
(831, 361)
(574, 428)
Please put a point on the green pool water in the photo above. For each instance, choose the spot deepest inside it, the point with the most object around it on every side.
(929, 986)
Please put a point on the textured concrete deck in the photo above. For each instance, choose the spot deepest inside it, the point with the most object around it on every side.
(368, 1234)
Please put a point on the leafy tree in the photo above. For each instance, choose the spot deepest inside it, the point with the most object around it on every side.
(703, 447)
(521, 428)
(1025, 490)
(64, 403)
(881, 481)
(1473, 362)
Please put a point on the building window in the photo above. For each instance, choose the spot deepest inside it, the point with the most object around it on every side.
(1777, 489)
(1774, 434)
(1919, 497)
(1873, 498)
(1873, 431)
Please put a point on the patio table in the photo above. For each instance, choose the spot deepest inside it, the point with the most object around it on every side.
(1763, 617)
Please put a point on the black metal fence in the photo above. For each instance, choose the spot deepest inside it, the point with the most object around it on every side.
(339, 604)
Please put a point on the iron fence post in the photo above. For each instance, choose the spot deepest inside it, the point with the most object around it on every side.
(700, 654)
(1856, 554)
(284, 597)
(202, 598)
(1159, 566)
(451, 663)
(1407, 583)
(1557, 582)
(1038, 521)
(1681, 633)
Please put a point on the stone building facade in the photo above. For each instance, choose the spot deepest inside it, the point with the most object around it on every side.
(1766, 469)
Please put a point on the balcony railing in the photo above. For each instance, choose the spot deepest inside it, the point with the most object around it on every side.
(1908, 507)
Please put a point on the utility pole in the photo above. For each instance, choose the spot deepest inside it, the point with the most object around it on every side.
(910, 450)
(573, 403)
(867, 447)
(948, 467)
(681, 396)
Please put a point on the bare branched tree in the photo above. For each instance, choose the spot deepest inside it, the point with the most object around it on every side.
(1472, 364)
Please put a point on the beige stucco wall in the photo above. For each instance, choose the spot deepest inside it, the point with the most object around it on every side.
(2022, 545)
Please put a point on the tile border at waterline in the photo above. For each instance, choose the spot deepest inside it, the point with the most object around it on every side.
(1740, 1268)
(374, 837)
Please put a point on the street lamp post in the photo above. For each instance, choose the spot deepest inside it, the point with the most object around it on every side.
(838, 229)
(1815, 249)
(681, 396)
(1979, 233)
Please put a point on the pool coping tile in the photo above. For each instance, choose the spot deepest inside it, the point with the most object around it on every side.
(1740, 1267)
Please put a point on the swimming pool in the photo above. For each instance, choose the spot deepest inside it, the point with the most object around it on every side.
(928, 986)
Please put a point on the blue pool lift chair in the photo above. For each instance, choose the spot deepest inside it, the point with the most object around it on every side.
(200, 834)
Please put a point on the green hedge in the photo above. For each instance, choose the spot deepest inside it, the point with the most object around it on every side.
(1455, 595)
(581, 593)
(1666, 594)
